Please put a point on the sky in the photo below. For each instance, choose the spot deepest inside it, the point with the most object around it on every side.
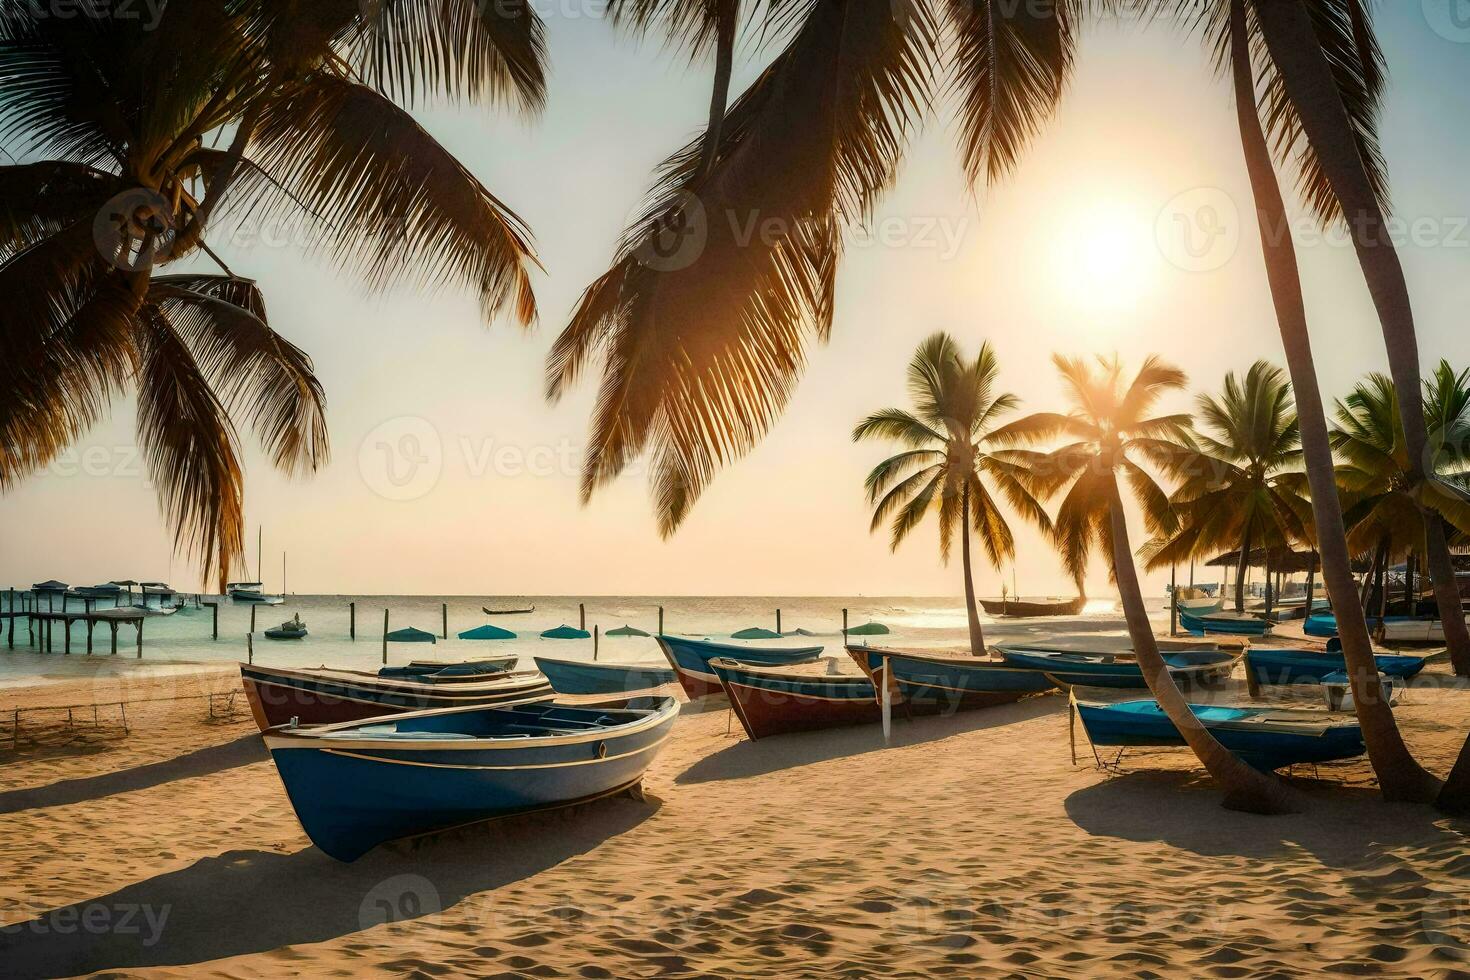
(1121, 232)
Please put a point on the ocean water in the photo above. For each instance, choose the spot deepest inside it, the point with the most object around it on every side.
(184, 637)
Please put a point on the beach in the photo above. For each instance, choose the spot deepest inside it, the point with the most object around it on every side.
(970, 844)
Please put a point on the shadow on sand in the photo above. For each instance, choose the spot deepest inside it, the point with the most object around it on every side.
(249, 901)
(746, 758)
(242, 751)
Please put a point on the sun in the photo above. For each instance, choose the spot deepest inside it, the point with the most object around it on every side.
(1105, 259)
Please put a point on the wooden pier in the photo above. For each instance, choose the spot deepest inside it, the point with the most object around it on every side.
(42, 624)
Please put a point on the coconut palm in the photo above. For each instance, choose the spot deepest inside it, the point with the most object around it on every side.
(948, 461)
(118, 121)
(1240, 485)
(1109, 434)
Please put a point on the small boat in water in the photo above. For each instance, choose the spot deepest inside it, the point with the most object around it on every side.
(1069, 668)
(1227, 624)
(579, 677)
(291, 629)
(1312, 667)
(1016, 609)
(1266, 738)
(778, 700)
(930, 683)
(359, 784)
(441, 672)
(251, 592)
(323, 696)
(507, 612)
(690, 660)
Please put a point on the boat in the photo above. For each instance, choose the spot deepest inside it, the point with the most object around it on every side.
(1266, 738)
(1016, 609)
(1337, 691)
(487, 632)
(359, 784)
(291, 629)
(323, 695)
(440, 671)
(930, 683)
(410, 634)
(1287, 666)
(690, 660)
(1201, 607)
(625, 630)
(778, 700)
(578, 677)
(565, 632)
(1068, 668)
(755, 633)
(1320, 625)
(251, 592)
(1228, 624)
(507, 612)
(1412, 630)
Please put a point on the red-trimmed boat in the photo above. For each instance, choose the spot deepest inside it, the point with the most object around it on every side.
(778, 700)
(322, 695)
(690, 660)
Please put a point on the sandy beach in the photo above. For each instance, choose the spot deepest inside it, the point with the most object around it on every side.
(971, 844)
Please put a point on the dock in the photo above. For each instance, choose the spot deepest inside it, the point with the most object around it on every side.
(41, 625)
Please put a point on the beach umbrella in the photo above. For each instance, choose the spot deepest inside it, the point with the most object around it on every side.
(626, 631)
(410, 635)
(868, 629)
(565, 632)
(487, 632)
(756, 633)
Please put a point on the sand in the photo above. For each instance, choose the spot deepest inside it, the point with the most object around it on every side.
(971, 845)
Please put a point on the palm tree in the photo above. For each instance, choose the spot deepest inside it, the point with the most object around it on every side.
(1107, 431)
(948, 459)
(703, 319)
(118, 120)
(1241, 486)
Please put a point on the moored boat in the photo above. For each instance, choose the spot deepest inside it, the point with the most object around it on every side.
(778, 700)
(359, 784)
(1266, 738)
(1227, 624)
(690, 660)
(507, 612)
(577, 677)
(442, 671)
(1016, 609)
(291, 629)
(322, 695)
(252, 592)
(1288, 666)
(1068, 668)
(929, 683)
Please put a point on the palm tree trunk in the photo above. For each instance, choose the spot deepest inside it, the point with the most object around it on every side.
(1242, 566)
(1245, 788)
(1447, 593)
(977, 636)
(1399, 774)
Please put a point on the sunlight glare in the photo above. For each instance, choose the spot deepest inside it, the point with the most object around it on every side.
(1105, 258)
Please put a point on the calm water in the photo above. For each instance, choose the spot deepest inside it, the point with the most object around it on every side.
(933, 623)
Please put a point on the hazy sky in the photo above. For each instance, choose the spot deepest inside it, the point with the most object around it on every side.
(1081, 251)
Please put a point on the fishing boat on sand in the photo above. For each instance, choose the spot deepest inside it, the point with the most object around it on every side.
(1069, 668)
(359, 784)
(797, 698)
(1227, 624)
(1266, 738)
(578, 677)
(445, 672)
(1016, 609)
(1312, 667)
(930, 683)
(690, 660)
(322, 695)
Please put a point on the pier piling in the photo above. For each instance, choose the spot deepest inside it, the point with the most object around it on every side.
(582, 615)
(660, 620)
(444, 620)
(385, 636)
(352, 620)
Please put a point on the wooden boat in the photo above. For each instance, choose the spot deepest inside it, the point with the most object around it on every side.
(577, 677)
(291, 629)
(359, 784)
(690, 660)
(322, 695)
(1311, 667)
(1068, 668)
(1337, 691)
(1016, 609)
(929, 683)
(1267, 738)
(251, 592)
(1412, 630)
(507, 612)
(443, 672)
(1201, 607)
(1227, 624)
(777, 700)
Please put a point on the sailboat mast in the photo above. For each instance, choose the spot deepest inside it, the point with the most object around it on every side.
(259, 539)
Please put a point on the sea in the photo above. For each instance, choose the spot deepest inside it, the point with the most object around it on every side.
(185, 637)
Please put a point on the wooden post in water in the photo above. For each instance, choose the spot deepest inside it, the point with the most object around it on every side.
(444, 620)
(352, 620)
(11, 630)
(250, 648)
(660, 620)
(66, 632)
(252, 617)
(844, 627)
(214, 624)
(596, 637)
(113, 623)
(1173, 602)
(140, 638)
(778, 620)
(582, 615)
(90, 623)
(385, 636)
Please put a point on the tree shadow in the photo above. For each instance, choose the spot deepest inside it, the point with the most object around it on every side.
(243, 751)
(250, 901)
(746, 758)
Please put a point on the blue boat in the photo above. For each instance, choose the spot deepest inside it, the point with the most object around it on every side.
(1227, 624)
(1070, 668)
(690, 660)
(1321, 625)
(1311, 667)
(434, 671)
(358, 784)
(1266, 738)
(929, 683)
(575, 677)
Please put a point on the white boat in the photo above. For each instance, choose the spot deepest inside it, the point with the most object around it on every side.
(251, 592)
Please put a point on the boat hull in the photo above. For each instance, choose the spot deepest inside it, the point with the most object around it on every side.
(1015, 609)
(930, 685)
(769, 702)
(570, 677)
(690, 661)
(277, 695)
(1108, 670)
(1224, 625)
(352, 793)
(1311, 667)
